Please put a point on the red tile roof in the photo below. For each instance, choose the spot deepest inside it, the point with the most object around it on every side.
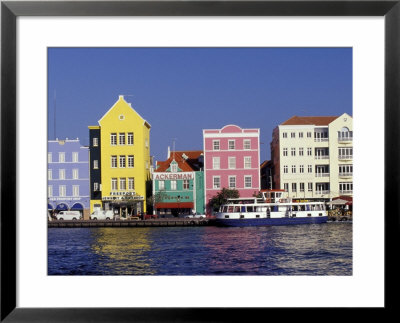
(189, 164)
(317, 121)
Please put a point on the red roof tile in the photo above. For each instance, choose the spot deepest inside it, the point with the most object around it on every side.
(189, 164)
(317, 121)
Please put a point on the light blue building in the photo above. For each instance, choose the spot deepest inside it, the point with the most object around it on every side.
(68, 176)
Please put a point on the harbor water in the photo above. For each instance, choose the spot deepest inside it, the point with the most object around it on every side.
(315, 249)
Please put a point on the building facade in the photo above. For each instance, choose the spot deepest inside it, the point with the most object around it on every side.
(120, 161)
(313, 156)
(178, 184)
(231, 160)
(68, 176)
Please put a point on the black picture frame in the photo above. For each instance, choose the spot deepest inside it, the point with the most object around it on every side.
(10, 10)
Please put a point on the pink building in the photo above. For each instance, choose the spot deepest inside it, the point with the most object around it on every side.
(231, 160)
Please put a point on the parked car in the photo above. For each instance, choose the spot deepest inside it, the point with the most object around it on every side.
(68, 215)
(195, 216)
(101, 215)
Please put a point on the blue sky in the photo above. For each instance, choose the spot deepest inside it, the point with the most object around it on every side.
(181, 91)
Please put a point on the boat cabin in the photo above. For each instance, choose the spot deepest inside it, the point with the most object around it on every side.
(274, 196)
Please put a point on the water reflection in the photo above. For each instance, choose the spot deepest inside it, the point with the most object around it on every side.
(324, 249)
(123, 251)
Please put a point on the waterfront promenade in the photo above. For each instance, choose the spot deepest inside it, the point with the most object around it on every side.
(167, 222)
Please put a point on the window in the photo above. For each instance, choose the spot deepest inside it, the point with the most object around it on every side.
(285, 169)
(346, 188)
(346, 153)
(122, 138)
(114, 184)
(309, 134)
(301, 151)
(131, 183)
(174, 167)
(301, 168)
(113, 139)
(284, 135)
(301, 187)
(95, 186)
(310, 185)
(75, 190)
(231, 162)
(294, 187)
(286, 187)
(50, 190)
(95, 142)
(247, 162)
(309, 168)
(345, 170)
(232, 181)
(293, 135)
(75, 157)
(62, 190)
(61, 174)
(285, 153)
(247, 144)
(161, 185)
(185, 184)
(49, 157)
(216, 182)
(294, 169)
(231, 144)
(122, 184)
(309, 151)
(215, 144)
(131, 161)
(130, 138)
(122, 162)
(247, 181)
(173, 185)
(113, 161)
(75, 173)
(49, 174)
(300, 135)
(95, 164)
(216, 163)
(61, 157)
(345, 134)
(293, 151)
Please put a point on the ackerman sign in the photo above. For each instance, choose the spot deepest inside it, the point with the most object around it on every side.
(173, 176)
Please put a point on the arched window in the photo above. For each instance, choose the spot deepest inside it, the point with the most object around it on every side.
(345, 134)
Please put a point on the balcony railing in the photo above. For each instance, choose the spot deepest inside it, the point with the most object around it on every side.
(346, 192)
(322, 157)
(345, 174)
(322, 192)
(321, 139)
(345, 157)
(344, 139)
(321, 174)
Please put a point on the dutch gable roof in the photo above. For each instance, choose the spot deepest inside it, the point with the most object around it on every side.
(188, 161)
(316, 121)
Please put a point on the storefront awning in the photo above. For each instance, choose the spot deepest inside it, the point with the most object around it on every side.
(181, 205)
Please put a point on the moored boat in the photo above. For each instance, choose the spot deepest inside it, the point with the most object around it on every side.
(271, 209)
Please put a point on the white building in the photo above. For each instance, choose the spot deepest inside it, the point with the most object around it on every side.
(313, 156)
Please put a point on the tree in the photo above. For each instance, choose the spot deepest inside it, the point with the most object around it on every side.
(222, 197)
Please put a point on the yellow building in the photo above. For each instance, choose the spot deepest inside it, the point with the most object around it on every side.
(120, 161)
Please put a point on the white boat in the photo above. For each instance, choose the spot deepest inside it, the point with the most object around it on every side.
(271, 209)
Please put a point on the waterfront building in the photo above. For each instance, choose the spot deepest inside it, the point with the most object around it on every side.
(266, 174)
(231, 160)
(68, 176)
(178, 183)
(313, 156)
(120, 161)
